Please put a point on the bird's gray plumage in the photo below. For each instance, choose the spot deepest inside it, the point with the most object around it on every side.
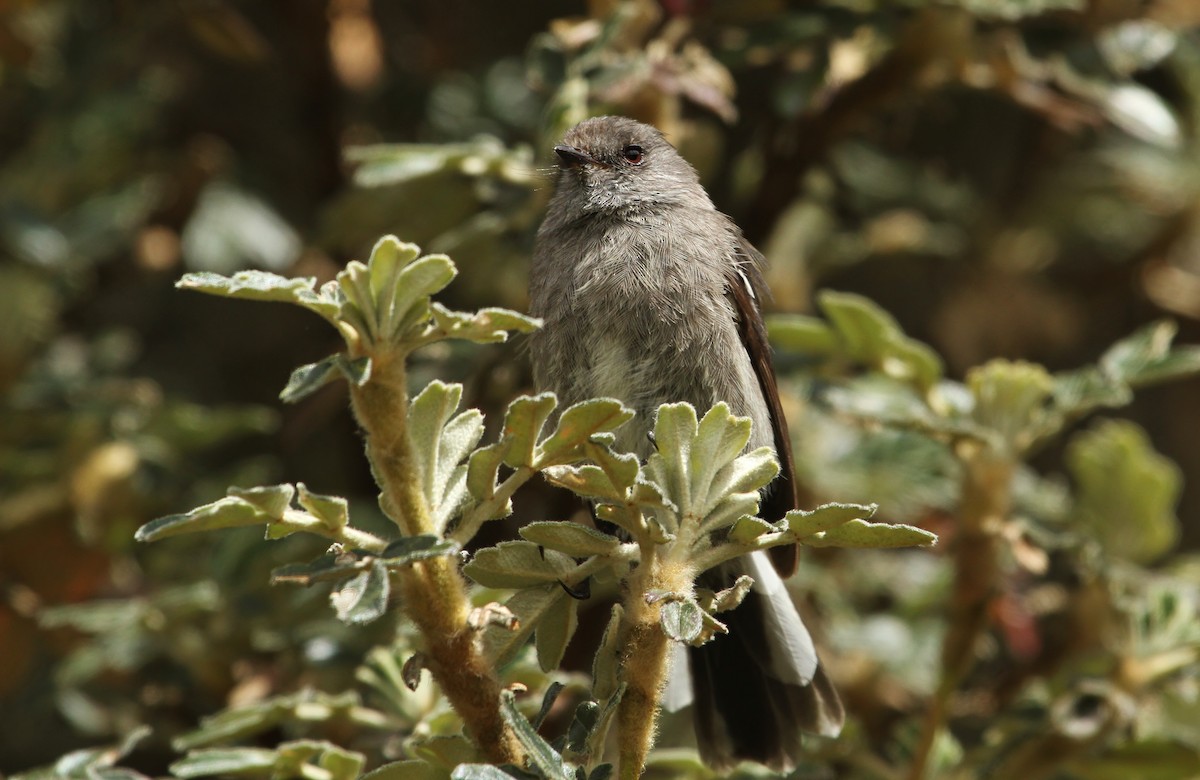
(650, 295)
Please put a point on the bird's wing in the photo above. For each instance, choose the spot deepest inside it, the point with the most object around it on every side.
(746, 288)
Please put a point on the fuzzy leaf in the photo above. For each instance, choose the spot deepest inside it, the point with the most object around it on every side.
(576, 426)
(240, 508)
(859, 533)
(523, 423)
(364, 598)
(826, 517)
(441, 444)
(411, 769)
(606, 662)
(323, 569)
(574, 539)
(870, 335)
(1012, 400)
(1126, 492)
(410, 549)
(483, 470)
(517, 565)
(528, 605)
(330, 510)
(1147, 357)
(802, 334)
(749, 528)
(262, 286)
(485, 326)
(682, 620)
(554, 631)
(538, 752)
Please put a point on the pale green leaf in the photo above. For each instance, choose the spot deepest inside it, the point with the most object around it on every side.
(554, 630)
(240, 508)
(606, 662)
(528, 605)
(682, 620)
(411, 769)
(517, 565)
(576, 426)
(1126, 492)
(538, 753)
(523, 422)
(410, 549)
(262, 286)
(364, 598)
(330, 510)
(802, 334)
(825, 517)
(859, 533)
(574, 539)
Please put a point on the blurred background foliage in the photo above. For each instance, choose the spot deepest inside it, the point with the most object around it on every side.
(1007, 178)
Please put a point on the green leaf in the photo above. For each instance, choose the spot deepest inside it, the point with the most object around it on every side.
(747, 529)
(802, 334)
(554, 631)
(262, 286)
(1012, 400)
(286, 760)
(485, 326)
(870, 335)
(826, 517)
(1126, 492)
(859, 533)
(523, 422)
(411, 769)
(410, 549)
(698, 468)
(446, 750)
(307, 379)
(528, 605)
(364, 598)
(576, 426)
(225, 761)
(517, 565)
(682, 620)
(1079, 392)
(327, 567)
(331, 510)
(239, 723)
(538, 752)
(574, 539)
(440, 445)
(253, 506)
(1147, 357)
(483, 469)
(548, 700)
(388, 258)
(606, 662)
(734, 595)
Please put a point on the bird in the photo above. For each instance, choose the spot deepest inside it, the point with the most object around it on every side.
(650, 295)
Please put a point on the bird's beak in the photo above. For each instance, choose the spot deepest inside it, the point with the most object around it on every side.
(570, 157)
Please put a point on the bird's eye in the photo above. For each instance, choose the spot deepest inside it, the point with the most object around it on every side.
(633, 154)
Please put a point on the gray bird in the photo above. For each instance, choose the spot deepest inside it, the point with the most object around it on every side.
(650, 295)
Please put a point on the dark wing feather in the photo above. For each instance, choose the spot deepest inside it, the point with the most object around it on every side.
(746, 288)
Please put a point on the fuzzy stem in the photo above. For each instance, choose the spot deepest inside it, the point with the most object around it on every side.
(476, 516)
(645, 661)
(434, 594)
(985, 505)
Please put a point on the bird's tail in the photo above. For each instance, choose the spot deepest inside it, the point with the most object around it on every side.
(756, 689)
